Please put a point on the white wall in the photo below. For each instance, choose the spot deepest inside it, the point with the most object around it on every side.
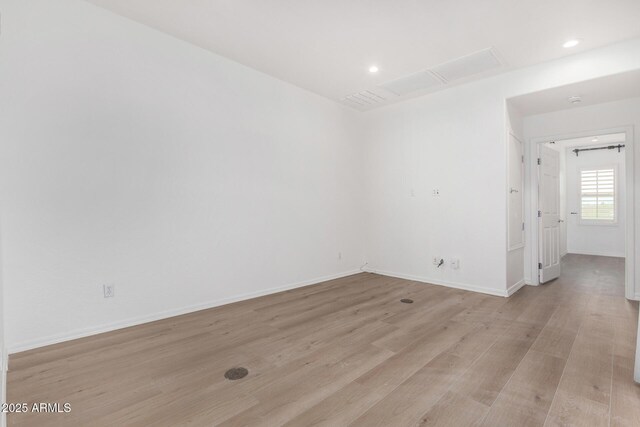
(591, 118)
(439, 143)
(605, 240)
(455, 140)
(132, 158)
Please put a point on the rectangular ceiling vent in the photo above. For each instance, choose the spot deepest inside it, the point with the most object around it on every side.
(412, 83)
(364, 99)
(468, 65)
(438, 76)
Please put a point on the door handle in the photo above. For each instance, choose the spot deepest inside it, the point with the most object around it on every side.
(561, 220)
(513, 190)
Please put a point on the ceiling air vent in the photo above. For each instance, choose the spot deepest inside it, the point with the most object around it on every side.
(433, 78)
(468, 65)
(364, 99)
(412, 83)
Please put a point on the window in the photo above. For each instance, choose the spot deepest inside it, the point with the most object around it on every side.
(598, 195)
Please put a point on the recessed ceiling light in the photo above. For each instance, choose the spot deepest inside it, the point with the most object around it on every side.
(373, 69)
(574, 99)
(595, 139)
(571, 43)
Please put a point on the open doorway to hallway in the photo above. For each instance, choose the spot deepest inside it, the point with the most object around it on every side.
(590, 114)
(581, 201)
(573, 116)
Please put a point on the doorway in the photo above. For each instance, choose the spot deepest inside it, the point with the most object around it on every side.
(582, 206)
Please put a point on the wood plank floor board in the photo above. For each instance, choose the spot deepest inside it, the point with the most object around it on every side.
(347, 352)
(492, 370)
(526, 398)
(263, 383)
(339, 409)
(454, 410)
(401, 366)
(287, 398)
(406, 403)
(625, 393)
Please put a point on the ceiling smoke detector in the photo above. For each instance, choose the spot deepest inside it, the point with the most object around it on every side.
(574, 99)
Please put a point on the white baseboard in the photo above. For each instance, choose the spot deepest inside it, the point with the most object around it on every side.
(85, 332)
(596, 254)
(514, 288)
(463, 286)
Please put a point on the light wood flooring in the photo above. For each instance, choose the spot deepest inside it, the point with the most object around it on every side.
(348, 352)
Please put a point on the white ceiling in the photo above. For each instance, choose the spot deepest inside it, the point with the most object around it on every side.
(327, 46)
(596, 91)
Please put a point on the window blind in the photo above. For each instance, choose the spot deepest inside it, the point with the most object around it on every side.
(598, 195)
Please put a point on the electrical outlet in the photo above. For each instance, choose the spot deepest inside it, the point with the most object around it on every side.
(435, 192)
(109, 291)
(455, 263)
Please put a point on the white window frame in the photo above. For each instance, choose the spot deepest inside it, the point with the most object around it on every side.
(616, 202)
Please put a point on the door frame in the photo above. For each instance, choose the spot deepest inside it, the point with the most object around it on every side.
(630, 289)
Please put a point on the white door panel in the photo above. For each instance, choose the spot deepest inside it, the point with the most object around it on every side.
(549, 214)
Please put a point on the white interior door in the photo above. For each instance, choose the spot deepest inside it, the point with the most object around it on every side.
(549, 214)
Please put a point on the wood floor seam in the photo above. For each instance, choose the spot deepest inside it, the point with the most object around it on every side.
(511, 376)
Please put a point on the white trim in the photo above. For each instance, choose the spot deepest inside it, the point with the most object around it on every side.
(596, 254)
(630, 275)
(438, 282)
(515, 287)
(85, 332)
